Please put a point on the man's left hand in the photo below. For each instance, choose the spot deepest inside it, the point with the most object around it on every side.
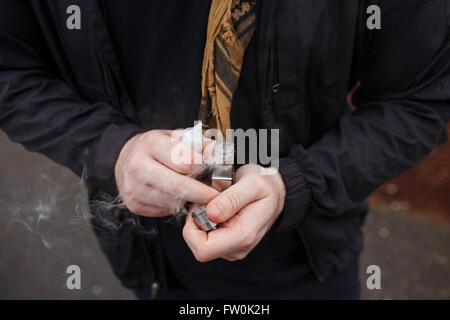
(246, 212)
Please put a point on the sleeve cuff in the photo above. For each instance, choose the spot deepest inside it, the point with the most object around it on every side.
(298, 195)
(106, 155)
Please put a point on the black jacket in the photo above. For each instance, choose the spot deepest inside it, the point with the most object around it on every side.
(62, 96)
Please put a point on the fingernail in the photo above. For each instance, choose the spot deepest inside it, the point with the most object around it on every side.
(216, 210)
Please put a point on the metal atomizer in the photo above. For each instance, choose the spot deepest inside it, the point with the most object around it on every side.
(221, 166)
(202, 220)
(218, 173)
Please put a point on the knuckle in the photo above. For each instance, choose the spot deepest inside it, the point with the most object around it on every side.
(258, 182)
(151, 135)
(152, 198)
(133, 166)
(209, 195)
(152, 139)
(231, 259)
(163, 213)
(128, 190)
(232, 199)
(240, 256)
(249, 240)
(134, 207)
(175, 189)
(185, 168)
(201, 256)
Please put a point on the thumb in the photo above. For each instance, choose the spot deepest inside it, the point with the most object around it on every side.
(232, 200)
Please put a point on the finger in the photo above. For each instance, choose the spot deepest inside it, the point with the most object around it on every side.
(193, 235)
(235, 239)
(176, 185)
(215, 244)
(208, 149)
(155, 197)
(149, 210)
(207, 144)
(147, 195)
(246, 217)
(174, 154)
(233, 199)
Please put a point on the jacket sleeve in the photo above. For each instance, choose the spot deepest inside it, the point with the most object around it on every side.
(40, 111)
(403, 105)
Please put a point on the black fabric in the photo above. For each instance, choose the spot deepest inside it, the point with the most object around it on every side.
(152, 76)
(160, 46)
(63, 93)
(275, 265)
(344, 285)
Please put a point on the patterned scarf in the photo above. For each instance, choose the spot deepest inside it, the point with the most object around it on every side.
(231, 26)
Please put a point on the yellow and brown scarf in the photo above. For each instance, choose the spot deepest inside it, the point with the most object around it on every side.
(231, 26)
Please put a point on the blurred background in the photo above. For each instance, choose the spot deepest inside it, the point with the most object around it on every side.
(42, 232)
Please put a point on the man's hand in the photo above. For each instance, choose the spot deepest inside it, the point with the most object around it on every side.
(151, 182)
(246, 210)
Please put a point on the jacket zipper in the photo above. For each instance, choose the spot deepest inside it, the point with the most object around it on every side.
(312, 263)
(266, 69)
(154, 287)
(115, 99)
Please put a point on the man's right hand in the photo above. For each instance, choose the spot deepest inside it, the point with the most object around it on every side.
(153, 184)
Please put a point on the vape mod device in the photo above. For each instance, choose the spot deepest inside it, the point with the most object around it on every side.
(219, 170)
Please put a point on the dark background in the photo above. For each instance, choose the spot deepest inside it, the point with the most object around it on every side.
(43, 231)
